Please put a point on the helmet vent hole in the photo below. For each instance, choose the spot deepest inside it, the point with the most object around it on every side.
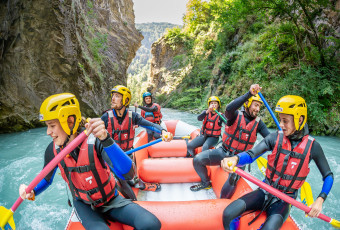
(72, 101)
(292, 106)
(66, 103)
(54, 108)
(301, 105)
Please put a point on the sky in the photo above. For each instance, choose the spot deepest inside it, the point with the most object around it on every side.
(171, 11)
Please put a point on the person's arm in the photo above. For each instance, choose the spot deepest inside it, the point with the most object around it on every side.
(115, 157)
(262, 129)
(258, 150)
(250, 156)
(231, 109)
(148, 109)
(320, 160)
(138, 120)
(202, 115)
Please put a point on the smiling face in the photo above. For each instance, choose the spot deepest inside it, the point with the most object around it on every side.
(254, 108)
(116, 101)
(147, 100)
(287, 124)
(214, 104)
(55, 130)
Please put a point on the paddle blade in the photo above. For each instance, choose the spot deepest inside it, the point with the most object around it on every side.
(262, 164)
(6, 219)
(335, 223)
(306, 194)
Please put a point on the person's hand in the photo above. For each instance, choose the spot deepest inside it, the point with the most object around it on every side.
(166, 136)
(228, 163)
(254, 89)
(23, 194)
(136, 104)
(210, 109)
(96, 126)
(316, 207)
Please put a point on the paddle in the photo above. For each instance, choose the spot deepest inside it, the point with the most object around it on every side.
(6, 216)
(180, 138)
(225, 121)
(282, 196)
(144, 146)
(306, 191)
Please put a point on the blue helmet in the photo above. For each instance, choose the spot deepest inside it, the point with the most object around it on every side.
(146, 94)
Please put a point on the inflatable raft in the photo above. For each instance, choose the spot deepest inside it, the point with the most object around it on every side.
(166, 163)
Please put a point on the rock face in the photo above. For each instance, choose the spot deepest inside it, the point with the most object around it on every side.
(48, 47)
(166, 70)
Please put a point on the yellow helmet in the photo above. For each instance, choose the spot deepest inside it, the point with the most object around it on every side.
(250, 100)
(293, 105)
(61, 106)
(214, 98)
(123, 91)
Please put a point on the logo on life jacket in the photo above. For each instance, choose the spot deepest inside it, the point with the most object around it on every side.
(89, 179)
(293, 164)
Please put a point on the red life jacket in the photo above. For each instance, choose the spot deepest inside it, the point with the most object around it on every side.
(123, 134)
(154, 117)
(210, 125)
(287, 169)
(89, 178)
(240, 137)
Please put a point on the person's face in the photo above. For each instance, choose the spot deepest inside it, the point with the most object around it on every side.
(57, 133)
(214, 104)
(287, 124)
(147, 100)
(116, 101)
(254, 108)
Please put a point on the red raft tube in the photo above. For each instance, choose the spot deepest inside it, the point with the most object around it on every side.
(166, 162)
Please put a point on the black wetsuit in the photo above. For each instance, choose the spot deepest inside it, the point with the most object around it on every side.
(117, 209)
(202, 140)
(277, 210)
(214, 156)
(151, 109)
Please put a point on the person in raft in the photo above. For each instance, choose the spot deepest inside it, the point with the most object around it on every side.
(211, 128)
(240, 135)
(151, 112)
(120, 123)
(86, 169)
(288, 166)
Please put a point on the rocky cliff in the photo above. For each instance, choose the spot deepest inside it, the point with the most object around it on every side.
(166, 70)
(48, 47)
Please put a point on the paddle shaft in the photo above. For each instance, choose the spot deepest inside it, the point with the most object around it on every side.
(270, 111)
(144, 146)
(50, 166)
(151, 128)
(279, 194)
(225, 121)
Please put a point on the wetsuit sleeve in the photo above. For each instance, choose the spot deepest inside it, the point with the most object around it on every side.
(105, 118)
(138, 120)
(267, 144)
(320, 160)
(115, 157)
(47, 181)
(202, 115)
(149, 109)
(262, 129)
(232, 107)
